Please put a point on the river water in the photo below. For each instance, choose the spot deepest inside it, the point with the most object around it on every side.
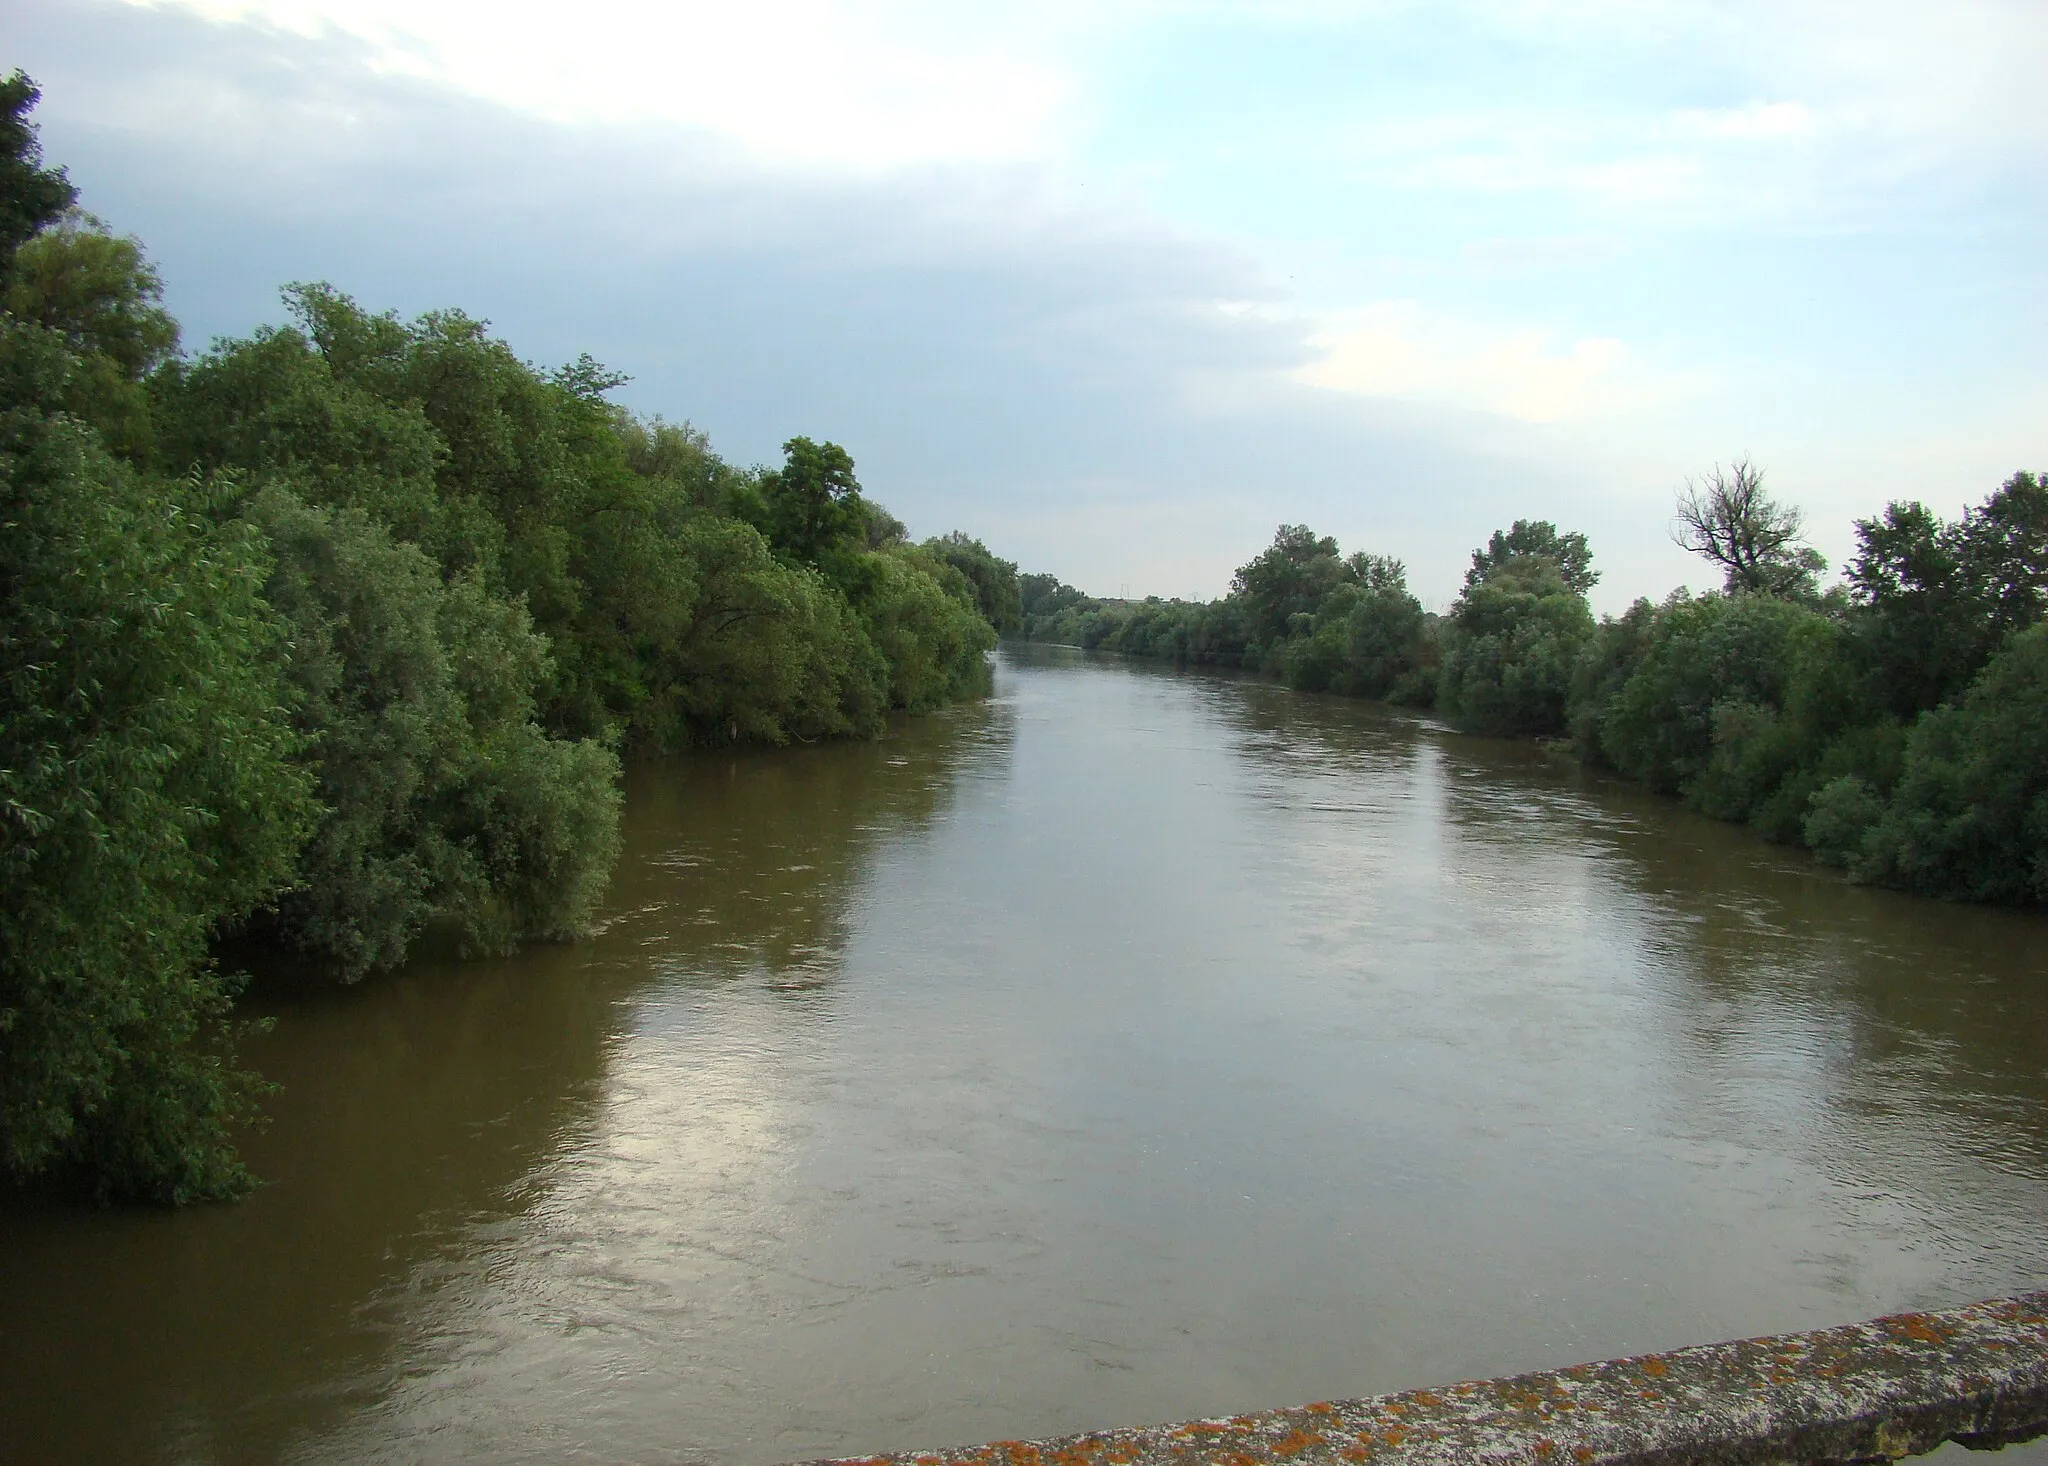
(1133, 1046)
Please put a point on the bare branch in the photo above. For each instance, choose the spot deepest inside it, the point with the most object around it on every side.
(1729, 520)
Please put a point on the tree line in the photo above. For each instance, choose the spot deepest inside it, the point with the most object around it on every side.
(336, 631)
(1896, 724)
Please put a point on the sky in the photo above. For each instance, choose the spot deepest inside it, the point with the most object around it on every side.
(1121, 287)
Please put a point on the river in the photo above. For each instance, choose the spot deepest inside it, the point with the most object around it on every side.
(1133, 1046)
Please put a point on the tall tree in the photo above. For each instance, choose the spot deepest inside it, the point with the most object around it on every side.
(1510, 644)
(814, 502)
(101, 298)
(1289, 579)
(148, 796)
(2003, 546)
(1728, 519)
(996, 592)
(1536, 539)
(1935, 601)
(32, 197)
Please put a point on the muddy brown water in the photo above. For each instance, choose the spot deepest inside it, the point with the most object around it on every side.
(1134, 1046)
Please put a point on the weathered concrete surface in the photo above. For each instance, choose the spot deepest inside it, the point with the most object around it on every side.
(1867, 1392)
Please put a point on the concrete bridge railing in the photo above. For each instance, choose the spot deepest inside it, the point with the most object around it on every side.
(1872, 1391)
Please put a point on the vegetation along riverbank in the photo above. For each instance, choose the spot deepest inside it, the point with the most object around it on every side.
(335, 631)
(1895, 725)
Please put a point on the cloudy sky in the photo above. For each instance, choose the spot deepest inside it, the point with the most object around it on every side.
(1121, 286)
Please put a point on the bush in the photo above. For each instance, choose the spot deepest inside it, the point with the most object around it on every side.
(1607, 660)
(1969, 818)
(1701, 653)
(921, 615)
(1385, 641)
(1509, 649)
(442, 799)
(150, 797)
(768, 651)
(996, 593)
(1840, 817)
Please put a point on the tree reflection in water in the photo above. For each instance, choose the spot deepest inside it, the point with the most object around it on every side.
(421, 1118)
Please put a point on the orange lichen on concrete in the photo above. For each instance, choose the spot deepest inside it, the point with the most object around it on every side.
(1917, 1327)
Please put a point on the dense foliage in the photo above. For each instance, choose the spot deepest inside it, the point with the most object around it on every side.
(337, 631)
(1301, 611)
(1510, 644)
(153, 788)
(1897, 725)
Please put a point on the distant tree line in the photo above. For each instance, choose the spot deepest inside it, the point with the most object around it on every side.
(1895, 725)
(336, 631)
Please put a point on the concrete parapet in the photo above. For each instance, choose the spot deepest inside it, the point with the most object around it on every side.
(1872, 1391)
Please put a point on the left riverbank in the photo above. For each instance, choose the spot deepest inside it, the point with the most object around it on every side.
(337, 631)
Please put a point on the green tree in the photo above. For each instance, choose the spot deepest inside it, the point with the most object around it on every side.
(997, 594)
(1536, 539)
(1289, 579)
(1606, 662)
(439, 432)
(1364, 639)
(1826, 726)
(634, 548)
(1933, 602)
(885, 530)
(1312, 657)
(150, 798)
(101, 297)
(2003, 546)
(923, 618)
(679, 457)
(1916, 622)
(1702, 654)
(1386, 633)
(815, 510)
(32, 197)
(417, 698)
(1046, 595)
(1513, 640)
(275, 406)
(1969, 817)
(770, 651)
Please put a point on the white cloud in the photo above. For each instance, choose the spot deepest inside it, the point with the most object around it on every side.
(1756, 122)
(802, 80)
(1399, 349)
(1867, 90)
(1509, 254)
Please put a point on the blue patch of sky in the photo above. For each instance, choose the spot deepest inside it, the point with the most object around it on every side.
(1343, 156)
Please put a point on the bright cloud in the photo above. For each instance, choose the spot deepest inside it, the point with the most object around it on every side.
(1398, 349)
(806, 80)
(1756, 122)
